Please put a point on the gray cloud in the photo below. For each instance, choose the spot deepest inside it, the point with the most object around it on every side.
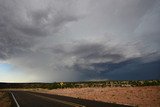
(21, 26)
(55, 40)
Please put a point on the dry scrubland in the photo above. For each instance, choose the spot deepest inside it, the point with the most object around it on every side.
(4, 100)
(148, 96)
(141, 93)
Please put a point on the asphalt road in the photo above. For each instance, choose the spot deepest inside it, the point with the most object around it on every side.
(32, 99)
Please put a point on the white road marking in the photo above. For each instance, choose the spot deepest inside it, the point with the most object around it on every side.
(15, 100)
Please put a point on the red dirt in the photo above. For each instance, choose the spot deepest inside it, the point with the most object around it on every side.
(4, 100)
(137, 96)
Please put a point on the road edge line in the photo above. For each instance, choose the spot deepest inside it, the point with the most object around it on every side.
(15, 100)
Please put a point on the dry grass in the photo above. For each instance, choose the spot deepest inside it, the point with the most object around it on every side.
(5, 100)
(136, 96)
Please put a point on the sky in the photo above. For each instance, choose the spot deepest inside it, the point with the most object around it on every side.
(79, 40)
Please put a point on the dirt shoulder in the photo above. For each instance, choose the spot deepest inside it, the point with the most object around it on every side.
(5, 100)
(136, 96)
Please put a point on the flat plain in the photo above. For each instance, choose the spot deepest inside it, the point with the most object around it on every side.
(131, 93)
(146, 96)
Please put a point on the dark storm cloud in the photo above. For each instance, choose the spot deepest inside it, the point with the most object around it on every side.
(20, 26)
(10, 46)
(96, 52)
(55, 40)
(101, 70)
(91, 60)
(135, 71)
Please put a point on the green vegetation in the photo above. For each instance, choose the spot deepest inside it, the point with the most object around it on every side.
(81, 84)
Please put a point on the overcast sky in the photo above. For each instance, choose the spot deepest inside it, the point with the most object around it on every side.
(79, 40)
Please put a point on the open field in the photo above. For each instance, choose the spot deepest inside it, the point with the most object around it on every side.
(5, 100)
(137, 96)
(146, 96)
(136, 93)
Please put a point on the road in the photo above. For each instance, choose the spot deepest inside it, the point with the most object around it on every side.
(32, 99)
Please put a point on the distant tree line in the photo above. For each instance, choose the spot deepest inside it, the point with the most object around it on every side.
(56, 85)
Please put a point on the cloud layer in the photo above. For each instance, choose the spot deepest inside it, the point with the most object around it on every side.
(55, 40)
